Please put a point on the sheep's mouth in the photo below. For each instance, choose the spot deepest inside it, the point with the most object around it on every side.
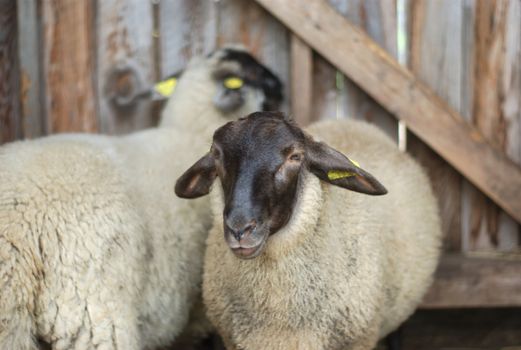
(249, 252)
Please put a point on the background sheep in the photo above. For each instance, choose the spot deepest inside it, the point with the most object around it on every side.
(94, 250)
(321, 267)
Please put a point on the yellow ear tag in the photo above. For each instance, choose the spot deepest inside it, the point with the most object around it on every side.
(355, 163)
(166, 87)
(233, 83)
(339, 174)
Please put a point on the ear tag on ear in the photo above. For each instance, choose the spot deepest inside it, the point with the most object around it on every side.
(233, 83)
(355, 163)
(166, 87)
(339, 174)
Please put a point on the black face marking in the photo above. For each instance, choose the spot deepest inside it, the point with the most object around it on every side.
(258, 76)
(260, 161)
(260, 176)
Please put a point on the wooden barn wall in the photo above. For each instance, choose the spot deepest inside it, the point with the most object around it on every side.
(466, 51)
(10, 128)
(87, 65)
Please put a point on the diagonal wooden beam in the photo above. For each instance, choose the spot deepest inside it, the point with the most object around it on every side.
(399, 91)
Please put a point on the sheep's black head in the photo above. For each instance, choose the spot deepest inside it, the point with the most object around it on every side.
(243, 83)
(261, 160)
(238, 74)
(253, 74)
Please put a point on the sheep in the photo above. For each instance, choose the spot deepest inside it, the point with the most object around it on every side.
(305, 264)
(95, 250)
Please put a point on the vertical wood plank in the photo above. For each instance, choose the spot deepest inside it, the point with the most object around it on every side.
(335, 96)
(301, 70)
(187, 28)
(245, 22)
(324, 90)
(126, 67)
(29, 54)
(9, 97)
(68, 61)
(496, 113)
(437, 56)
(326, 93)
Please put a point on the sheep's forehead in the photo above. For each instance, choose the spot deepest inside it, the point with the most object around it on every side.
(257, 134)
(230, 66)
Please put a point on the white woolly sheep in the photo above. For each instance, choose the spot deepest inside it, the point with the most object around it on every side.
(296, 263)
(95, 250)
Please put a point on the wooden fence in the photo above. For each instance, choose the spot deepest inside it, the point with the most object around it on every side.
(83, 65)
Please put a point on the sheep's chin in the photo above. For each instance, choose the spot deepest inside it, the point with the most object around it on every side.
(251, 252)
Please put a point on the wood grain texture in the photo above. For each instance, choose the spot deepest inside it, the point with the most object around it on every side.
(463, 281)
(32, 114)
(247, 23)
(402, 94)
(336, 96)
(187, 28)
(10, 128)
(301, 80)
(496, 113)
(68, 62)
(438, 58)
(126, 66)
(324, 90)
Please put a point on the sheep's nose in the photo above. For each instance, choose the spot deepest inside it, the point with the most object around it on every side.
(241, 231)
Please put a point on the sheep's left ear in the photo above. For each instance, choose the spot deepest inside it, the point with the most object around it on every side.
(333, 167)
(198, 179)
(163, 89)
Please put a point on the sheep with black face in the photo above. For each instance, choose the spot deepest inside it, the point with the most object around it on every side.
(305, 264)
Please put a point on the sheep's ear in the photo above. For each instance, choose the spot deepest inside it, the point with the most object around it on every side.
(333, 167)
(197, 180)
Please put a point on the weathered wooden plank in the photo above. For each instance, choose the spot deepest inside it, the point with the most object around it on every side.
(325, 93)
(301, 74)
(68, 61)
(335, 96)
(466, 281)
(126, 67)
(246, 23)
(378, 19)
(437, 57)
(496, 108)
(401, 93)
(29, 56)
(187, 28)
(9, 109)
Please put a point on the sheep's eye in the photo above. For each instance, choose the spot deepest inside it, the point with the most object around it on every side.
(233, 83)
(296, 157)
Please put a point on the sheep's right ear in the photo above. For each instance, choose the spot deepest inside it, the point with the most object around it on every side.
(335, 168)
(197, 180)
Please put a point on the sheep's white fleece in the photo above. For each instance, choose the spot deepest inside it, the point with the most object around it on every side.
(96, 251)
(346, 270)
